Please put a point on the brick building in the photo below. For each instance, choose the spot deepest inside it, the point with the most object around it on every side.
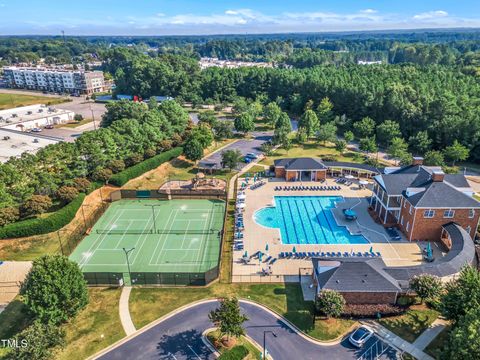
(421, 199)
(300, 169)
(360, 281)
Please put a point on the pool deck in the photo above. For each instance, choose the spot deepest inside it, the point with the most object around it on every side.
(394, 253)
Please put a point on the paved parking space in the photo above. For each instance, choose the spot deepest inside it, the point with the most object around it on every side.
(244, 146)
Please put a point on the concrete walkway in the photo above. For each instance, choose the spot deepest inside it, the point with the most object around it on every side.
(431, 333)
(397, 341)
(124, 311)
(231, 185)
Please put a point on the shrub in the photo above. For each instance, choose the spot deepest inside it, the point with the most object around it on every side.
(235, 353)
(405, 300)
(330, 303)
(37, 204)
(54, 289)
(102, 174)
(116, 166)
(82, 184)
(150, 152)
(329, 157)
(66, 193)
(134, 159)
(176, 139)
(37, 226)
(9, 215)
(78, 117)
(132, 172)
(427, 287)
(165, 145)
(371, 310)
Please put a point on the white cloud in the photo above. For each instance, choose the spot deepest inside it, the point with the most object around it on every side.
(369, 11)
(431, 15)
(160, 14)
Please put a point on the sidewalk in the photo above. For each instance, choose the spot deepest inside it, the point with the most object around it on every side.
(124, 312)
(231, 185)
(431, 333)
(397, 341)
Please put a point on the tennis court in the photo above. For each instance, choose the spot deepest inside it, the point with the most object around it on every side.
(167, 236)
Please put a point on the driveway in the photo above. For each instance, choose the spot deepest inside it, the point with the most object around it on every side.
(244, 146)
(180, 337)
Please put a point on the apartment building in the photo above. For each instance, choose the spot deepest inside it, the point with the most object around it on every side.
(54, 80)
(420, 200)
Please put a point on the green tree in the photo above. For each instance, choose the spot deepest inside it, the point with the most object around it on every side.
(208, 117)
(364, 128)
(309, 121)
(152, 103)
(348, 136)
(325, 111)
(255, 109)
(228, 318)
(462, 294)
(369, 145)
(464, 340)
(102, 174)
(231, 158)
(301, 136)
(123, 109)
(271, 113)
(419, 143)
(283, 128)
(330, 303)
(387, 131)
(37, 204)
(427, 287)
(456, 152)
(240, 106)
(116, 165)
(340, 145)
(37, 342)
(327, 132)
(203, 134)
(9, 215)
(193, 149)
(244, 123)
(54, 289)
(398, 148)
(223, 130)
(434, 158)
(267, 148)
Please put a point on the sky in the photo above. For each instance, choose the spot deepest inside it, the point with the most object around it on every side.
(197, 17)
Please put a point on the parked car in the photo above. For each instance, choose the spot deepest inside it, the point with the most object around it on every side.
(252, 155)
(36, 130)
(49, 126)
(247, 159)
(360, 336)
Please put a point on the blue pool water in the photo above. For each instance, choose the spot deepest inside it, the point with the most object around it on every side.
(306, 220)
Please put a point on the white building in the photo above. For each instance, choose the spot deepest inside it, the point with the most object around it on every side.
(14, 144)
(54, 79)
(34, 116)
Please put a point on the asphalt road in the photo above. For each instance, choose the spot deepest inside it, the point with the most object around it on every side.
(180, 338)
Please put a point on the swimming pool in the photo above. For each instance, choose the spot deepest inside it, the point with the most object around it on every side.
(306, 220)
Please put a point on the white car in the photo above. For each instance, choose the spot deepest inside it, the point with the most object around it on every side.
(36, 130)
(360, 336)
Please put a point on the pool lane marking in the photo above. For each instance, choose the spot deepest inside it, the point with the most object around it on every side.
(317, 215)
(85, 261)
(307, 213)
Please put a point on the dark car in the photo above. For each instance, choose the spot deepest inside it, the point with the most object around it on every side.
(49, 126)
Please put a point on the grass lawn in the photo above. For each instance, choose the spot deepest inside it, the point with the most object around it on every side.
(254, 169)
(410, 325)
(253, 352)
(313, 149)
(13, 319)
(100, 317)
(434, 348)
(146, 305)
(10, 100)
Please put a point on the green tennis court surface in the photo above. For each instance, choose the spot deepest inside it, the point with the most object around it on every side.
(168, 236)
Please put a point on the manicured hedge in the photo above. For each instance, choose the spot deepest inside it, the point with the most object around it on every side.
(236, 353)
(371, 310)
(134, 171)
(38, 226)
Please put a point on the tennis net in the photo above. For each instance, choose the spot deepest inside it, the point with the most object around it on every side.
(183, 231)
(124, 232)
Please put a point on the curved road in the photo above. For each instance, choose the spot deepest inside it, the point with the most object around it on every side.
(180, 337)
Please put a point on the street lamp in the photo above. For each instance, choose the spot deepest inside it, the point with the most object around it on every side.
(264, 339)
(128, 262)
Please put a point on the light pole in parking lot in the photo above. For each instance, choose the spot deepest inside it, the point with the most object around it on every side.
(264, 341)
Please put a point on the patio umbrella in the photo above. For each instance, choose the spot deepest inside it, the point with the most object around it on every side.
(294, 250)
(429, 250)
(266, 247)
(260, 254)
(371, 249)
(245, 255)
(349, 176)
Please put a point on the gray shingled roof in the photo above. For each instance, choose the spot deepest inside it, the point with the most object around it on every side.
(355, 275)
(300, 164)
(342, 164)
(442, 195)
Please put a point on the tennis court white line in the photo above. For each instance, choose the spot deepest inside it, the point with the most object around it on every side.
(123, 235)
(142, 240)
(101, 238)
(206, 237)
(159, 240)
(165, 235)
(183, 240)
